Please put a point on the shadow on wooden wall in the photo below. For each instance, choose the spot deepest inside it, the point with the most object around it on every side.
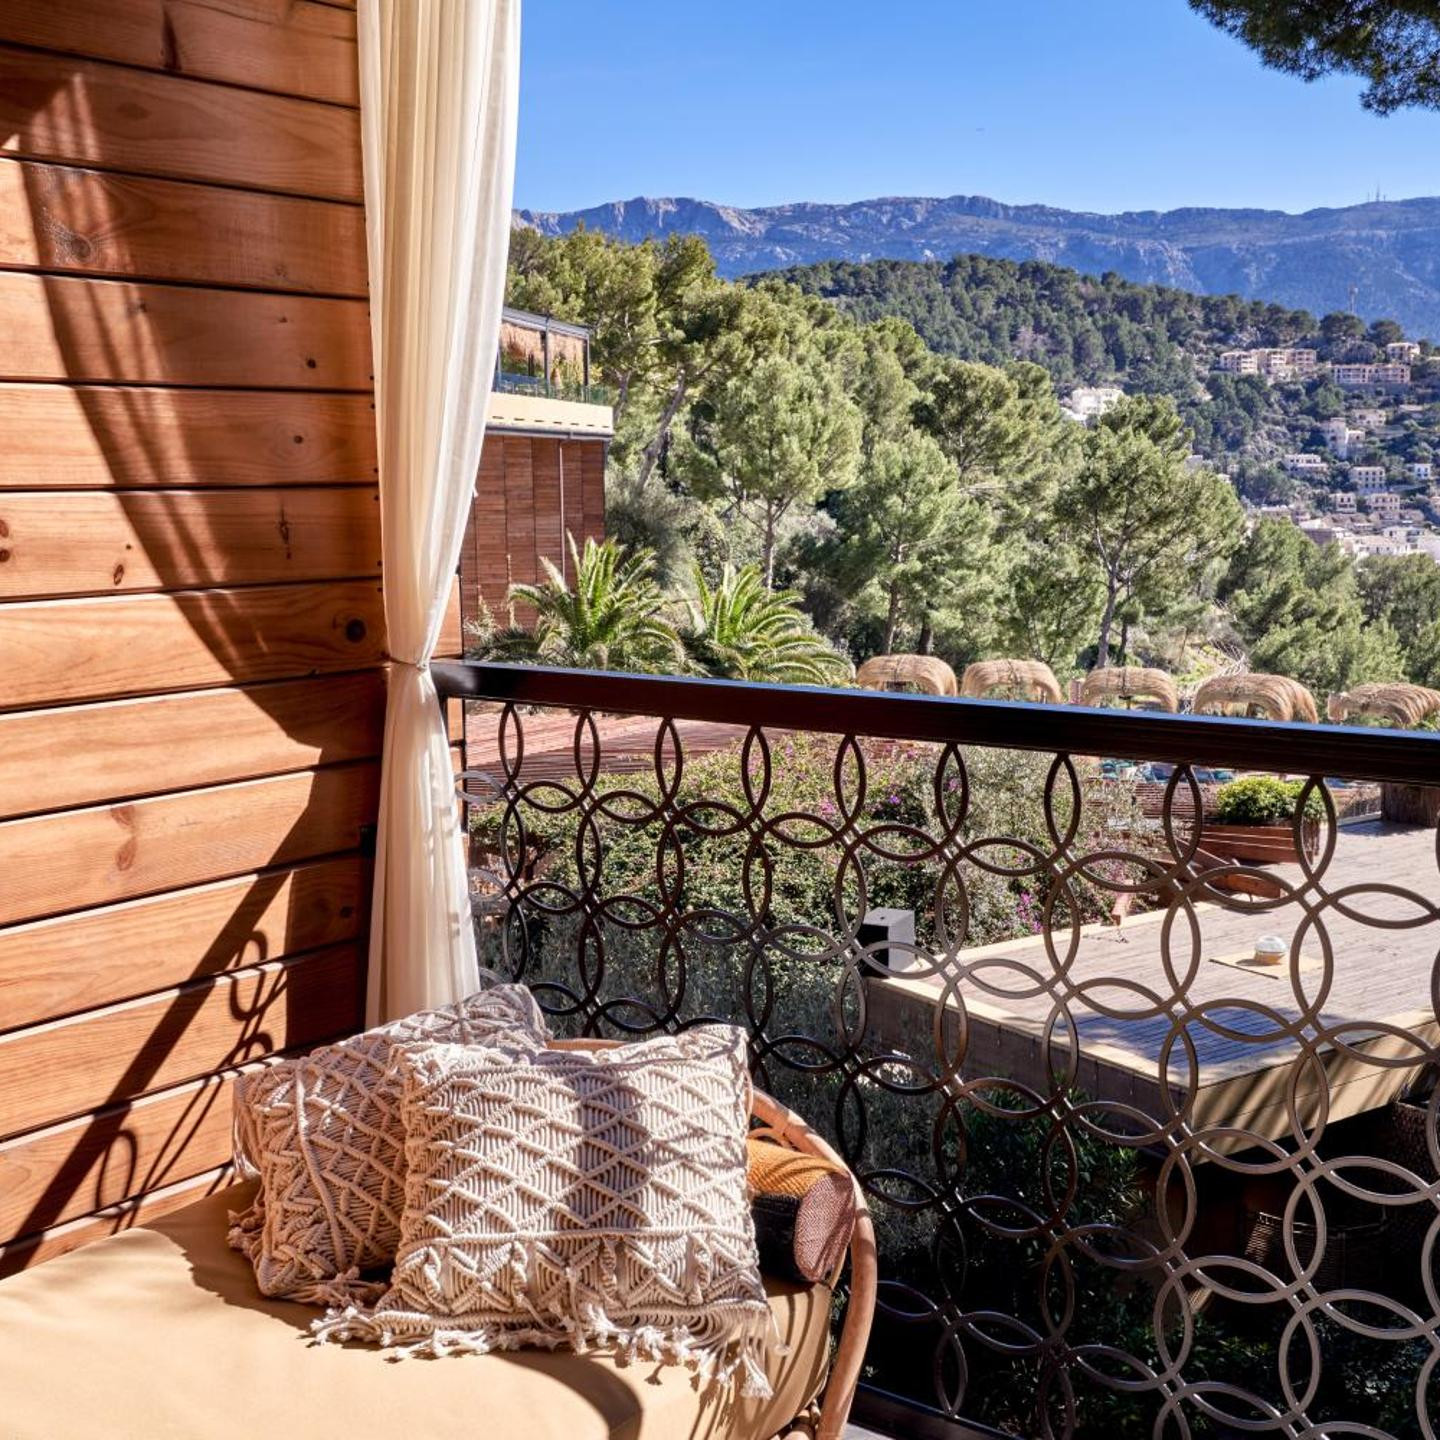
(190, 620)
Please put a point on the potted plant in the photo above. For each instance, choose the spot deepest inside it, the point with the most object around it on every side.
(1255, 822)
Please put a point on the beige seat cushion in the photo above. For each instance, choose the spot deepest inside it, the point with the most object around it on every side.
(160, 1334)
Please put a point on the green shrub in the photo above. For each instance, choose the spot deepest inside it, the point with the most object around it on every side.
(810, 883)
(1264, 800)
(945, 1182)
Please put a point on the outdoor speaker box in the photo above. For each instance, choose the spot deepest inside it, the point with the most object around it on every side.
(892, 927)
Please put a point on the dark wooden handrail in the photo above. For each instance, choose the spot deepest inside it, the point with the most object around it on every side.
(1345, 752)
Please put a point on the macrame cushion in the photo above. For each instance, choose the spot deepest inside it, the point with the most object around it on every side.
(804, 1209)
(324, 1133)
(577, 1198)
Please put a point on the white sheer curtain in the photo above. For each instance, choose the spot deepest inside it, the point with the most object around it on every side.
(439, 81)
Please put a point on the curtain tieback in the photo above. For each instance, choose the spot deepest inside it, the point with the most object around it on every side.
(408, 664)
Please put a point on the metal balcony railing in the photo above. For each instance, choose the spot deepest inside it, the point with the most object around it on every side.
(1127, 1181)
(514, 382)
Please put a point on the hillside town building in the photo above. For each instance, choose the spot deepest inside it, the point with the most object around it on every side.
(1089, 402)
(1277, 364)
(1366, 374)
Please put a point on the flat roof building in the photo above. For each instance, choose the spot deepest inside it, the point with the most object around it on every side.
(1087, 402)
(1366, 374)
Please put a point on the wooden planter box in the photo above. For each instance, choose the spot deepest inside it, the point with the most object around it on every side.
(1259, 844)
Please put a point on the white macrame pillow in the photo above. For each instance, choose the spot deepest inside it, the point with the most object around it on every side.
(576, 1198)
(325, 1134)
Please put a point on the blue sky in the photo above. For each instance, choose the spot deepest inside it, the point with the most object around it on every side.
(1086, 104)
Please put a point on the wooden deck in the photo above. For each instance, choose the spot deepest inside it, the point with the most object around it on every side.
(627, 742)
(1247, 1067)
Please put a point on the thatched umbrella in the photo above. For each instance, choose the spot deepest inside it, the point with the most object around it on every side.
(926, 673)
(1405, 706)
(1302, 700)
(1025, 679)
(1274, 697)
(1128, 683)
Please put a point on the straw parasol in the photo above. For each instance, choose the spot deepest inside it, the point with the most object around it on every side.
(1128, 683)
(1304, 702)
(1025, 679)
(926, 673)
(1274, 697)
(1403, 705)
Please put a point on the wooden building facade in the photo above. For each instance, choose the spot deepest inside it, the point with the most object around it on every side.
(542, 472)
(534, 490)
(191, 625)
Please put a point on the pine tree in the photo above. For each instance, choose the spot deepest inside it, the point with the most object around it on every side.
(1149, 524)
(773, 438)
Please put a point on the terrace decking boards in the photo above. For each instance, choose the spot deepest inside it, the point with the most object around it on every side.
(1380, 976)
(627, 742)
(191, 623)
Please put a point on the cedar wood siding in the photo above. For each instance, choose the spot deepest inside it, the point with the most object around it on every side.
(533, 491)
(191, 628)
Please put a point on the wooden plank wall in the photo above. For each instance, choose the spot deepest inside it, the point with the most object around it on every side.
(532, 490)
(191, 624)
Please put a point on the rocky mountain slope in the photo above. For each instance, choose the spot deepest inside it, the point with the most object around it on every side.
(1388, 251)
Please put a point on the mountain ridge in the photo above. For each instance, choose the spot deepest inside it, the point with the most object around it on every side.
(1389, 250)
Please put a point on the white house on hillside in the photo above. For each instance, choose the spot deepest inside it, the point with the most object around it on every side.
(1087, 402)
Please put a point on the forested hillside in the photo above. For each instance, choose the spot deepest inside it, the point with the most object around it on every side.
(1146, 338)
(884, 445)
(1083, 330)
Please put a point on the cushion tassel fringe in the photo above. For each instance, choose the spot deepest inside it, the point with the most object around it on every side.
(730, 1340)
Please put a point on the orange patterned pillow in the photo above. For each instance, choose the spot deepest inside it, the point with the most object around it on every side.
(804, 1209)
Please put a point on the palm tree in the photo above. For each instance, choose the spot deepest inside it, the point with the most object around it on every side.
(740, 630)
(611, 619)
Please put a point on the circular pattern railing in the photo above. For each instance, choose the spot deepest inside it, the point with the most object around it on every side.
(1125, 1181)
